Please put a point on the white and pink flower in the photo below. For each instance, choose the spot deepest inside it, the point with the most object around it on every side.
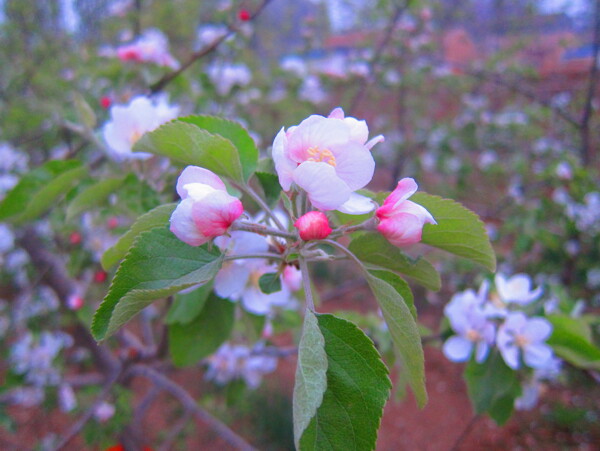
(313, 225)
(329, 158)
(520, 336)
(151, 47)
(128, 123)
(401, 220)
(206, 211)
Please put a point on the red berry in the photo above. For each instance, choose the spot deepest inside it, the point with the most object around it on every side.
(105, 102)
(244, 15)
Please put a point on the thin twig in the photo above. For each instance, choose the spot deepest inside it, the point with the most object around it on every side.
(231, 30)
(246, 256)
(262, 229)
(190, 404)
(466, 431)
(387, 37)
(175, 432)
(87, 415)
(259, 200)
(591, 91)
(522, 90)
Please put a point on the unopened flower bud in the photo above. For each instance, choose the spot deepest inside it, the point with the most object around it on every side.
(314, 225)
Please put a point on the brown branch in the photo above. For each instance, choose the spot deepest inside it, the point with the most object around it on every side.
(466, 431)
(586, 150)
(387, 37)
(195, 56)
(89, 413)
(189, 403)
(523, 91)
(175, 432)
(55, 276)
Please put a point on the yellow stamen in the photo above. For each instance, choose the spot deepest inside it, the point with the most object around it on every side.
(473, 335)
(321, 155)
(134, 137)
(521, 340)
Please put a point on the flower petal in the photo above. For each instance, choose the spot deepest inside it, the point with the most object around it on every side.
(325, 189)
(357, 205)
(183, 226)
(401, 229)
(537, 355)
(316, 131)
(284, 166)
(354, 164)
(457, 349)
(537, 329)
(231, 280)
(196, 174)
(215, 213)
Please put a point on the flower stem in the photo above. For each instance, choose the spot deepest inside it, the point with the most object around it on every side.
(345, 250)
(262, 229)
(259, 200)
(369, 224)
(310, 303)
(265, 255)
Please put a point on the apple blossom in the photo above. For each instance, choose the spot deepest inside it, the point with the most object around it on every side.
(226, 76)
(206, 210)
(469, 321)
(401, 220)
(328, 157)
(128, 123)
(238, 362)
(519, 334)
(104, 412)
(238, 279)
(151, 47)
(313, 225)
(516, 289)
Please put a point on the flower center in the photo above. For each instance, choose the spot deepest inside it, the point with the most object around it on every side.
(521, 340)
(134, 137)
(473, 335)
(321, 155)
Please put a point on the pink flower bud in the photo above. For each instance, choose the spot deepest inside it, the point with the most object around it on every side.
(402, 221)
(75, 238)
(244, 15)
(206, 210)
(75, 302)
(314, 225)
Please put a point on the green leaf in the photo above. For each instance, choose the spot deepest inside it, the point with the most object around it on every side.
(187, 306)
(37, 190)
(358, 387)
(84, 111)
(156, 217)
(401, 286)
(376, 252)
(311, 379)
(234, 132)
(157, 265)
(458, 230)
(191, 145)
(270, 282)
(571, 340)
(492, 387)
(191, 342)
(403, 329)
(91, 196)
(270, 186)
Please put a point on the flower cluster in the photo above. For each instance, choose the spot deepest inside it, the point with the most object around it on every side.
(481, 320)
(325, 158)
(232, 362)
(151, 47)
(239, 279)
